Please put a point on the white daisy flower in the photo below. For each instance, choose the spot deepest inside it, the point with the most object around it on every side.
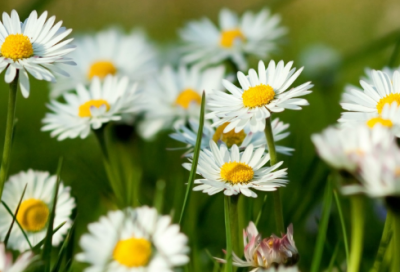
(174, 96)
(33, 46)
(20, 264)
(35, 208)
(133, 240)
(252, 34)
(281, 269)
(233, 172)
(108, 52)
(111, 100)
(258, 96)
(188, 135)
(373, 97)
(344, 148)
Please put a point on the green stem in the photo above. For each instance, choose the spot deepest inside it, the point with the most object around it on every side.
(384, 243)
(273, 160)
(227, 202)
(5, 163)
(396, 242)
(233, 218)
(357, 232)
(346, 244)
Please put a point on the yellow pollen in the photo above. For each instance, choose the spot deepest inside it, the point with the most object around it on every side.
(132, 252)
(389, 99)
(229, 138)
(16, 47)
(101, 69)
(33, 214)
(258, 96)
(236, 172)
(186, 97)
(229, 36)
(379, 120)
(84, 109)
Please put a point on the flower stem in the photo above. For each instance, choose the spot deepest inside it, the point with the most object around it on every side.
(5, 163)
(384, 244)
(343, 224)
(227, 202)
(357, 232)
(233, 218)
(396, 241)
(273, 160)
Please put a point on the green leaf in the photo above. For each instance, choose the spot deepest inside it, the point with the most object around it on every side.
(14, 217)
(346, 244)
(64, 247)
(36, 248)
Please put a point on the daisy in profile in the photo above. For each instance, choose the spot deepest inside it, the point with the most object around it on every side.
(175, 96)
(235, 172)
(34, 46)
(35, 208)
(133, 240)
(258, 96)
(108, 52)
(242, 139)
(113, 99)
(234, 38)
(20, 264)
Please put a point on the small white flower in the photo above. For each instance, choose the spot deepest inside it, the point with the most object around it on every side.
(20, 264)
(281, 269)
(33, 46)
(252, 34)
(233, 172)
(35, 208)
(133, 240)
(108, 52)
(113, 99)
(258, 96)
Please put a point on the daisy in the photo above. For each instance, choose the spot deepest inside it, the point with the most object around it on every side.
(20, 264)
(373, 97)
(258, 96)
(35, 208)
(33, 46)
(108, 52)
(174, 96)
(234, 39)
(233, 172)
(242, 139)
(111, 100)
(133, 240)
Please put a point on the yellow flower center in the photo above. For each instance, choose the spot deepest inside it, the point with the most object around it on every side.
(132, 252)
(236, 172)
(33, 214)
(379, 120)
(229, 138)
(229, 36)
(84, 109)
(16, 47)
(101, 69)
(186, 97)
(258, 96)
(389, 99)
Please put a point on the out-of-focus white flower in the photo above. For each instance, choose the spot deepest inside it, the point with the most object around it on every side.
(20, 264)
(281, 269)
(33, 46)
(233, 172)
(35, 208)
(258, 96)
(108, 52)
(252, 34)
(133, 240)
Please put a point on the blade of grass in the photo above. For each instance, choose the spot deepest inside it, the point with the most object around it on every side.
(227, 203)
(14, 217)
(333, 258)
(346, 243)
(384, 244)
(159, 195)
(36, 249)
(63, 249)
(260, 212)
(196, 154)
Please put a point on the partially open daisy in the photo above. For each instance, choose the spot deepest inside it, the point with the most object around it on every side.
(20, 264)
(35, 208)
(33, 46)
(233, 172)
(252, 34)
(242, 138)
(175, 96)
(110, 100)
(108, 52)
(133, 240)
(258, 96)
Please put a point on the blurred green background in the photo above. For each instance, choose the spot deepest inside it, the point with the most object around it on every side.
(360, 33)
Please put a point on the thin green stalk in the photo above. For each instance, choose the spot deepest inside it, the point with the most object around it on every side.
(346, 243)
(5, 163)
(357, 232)
(159, 195)
(395, 53)
(384, 243)
(260, 211)
(280, 225)
(396, 242)
(333, 259)
(233, 217)
(227, 202)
